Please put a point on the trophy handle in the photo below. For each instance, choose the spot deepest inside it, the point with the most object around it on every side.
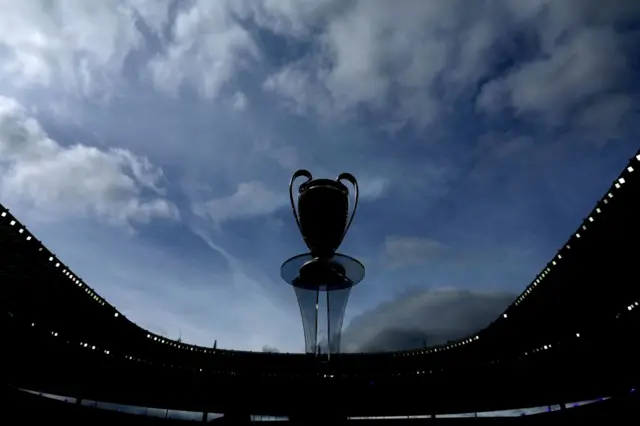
(349, 177)
(295, 176)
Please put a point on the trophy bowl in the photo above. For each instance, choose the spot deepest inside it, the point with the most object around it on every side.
(323, 209)
(322, 214)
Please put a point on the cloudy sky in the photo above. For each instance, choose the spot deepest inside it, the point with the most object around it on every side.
(149, 144)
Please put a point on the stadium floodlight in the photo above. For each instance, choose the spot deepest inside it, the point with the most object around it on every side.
(322, 216)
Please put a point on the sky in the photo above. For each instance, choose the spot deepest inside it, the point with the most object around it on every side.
(149, 145)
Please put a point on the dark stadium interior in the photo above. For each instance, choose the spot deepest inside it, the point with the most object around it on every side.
(570, 336)
(19, 402)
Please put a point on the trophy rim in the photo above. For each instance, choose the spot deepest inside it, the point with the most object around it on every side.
(320, 182)
(354, 269)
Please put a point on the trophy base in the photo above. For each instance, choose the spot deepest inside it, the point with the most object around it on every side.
(319, 271)
(325, 274)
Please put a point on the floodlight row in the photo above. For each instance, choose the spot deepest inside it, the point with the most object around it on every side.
(215, 369)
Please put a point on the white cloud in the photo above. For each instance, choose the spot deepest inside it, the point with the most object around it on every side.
(208, 46)
(74, 45)
(300, 91)
(413, 58)
(251, 199)
(370, 54)
(114, 185)
(82, 48)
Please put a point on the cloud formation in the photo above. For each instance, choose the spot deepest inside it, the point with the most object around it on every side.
(207, 47)
(251, 199)
(421, 56)
(423, 318)
(113, 185)
(87, 56)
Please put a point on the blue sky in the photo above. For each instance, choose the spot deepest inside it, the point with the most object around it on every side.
(150, 144)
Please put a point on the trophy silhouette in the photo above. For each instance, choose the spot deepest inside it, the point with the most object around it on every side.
(322, 216)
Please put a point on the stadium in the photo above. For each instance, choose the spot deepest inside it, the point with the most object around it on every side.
(71, 355)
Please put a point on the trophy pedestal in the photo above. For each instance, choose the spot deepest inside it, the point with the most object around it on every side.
(310, 277)
(327, 274)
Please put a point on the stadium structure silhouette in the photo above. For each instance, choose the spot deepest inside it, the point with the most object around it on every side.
(572, 335)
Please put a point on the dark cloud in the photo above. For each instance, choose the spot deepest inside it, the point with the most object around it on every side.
(270, 349)
(429, 317)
